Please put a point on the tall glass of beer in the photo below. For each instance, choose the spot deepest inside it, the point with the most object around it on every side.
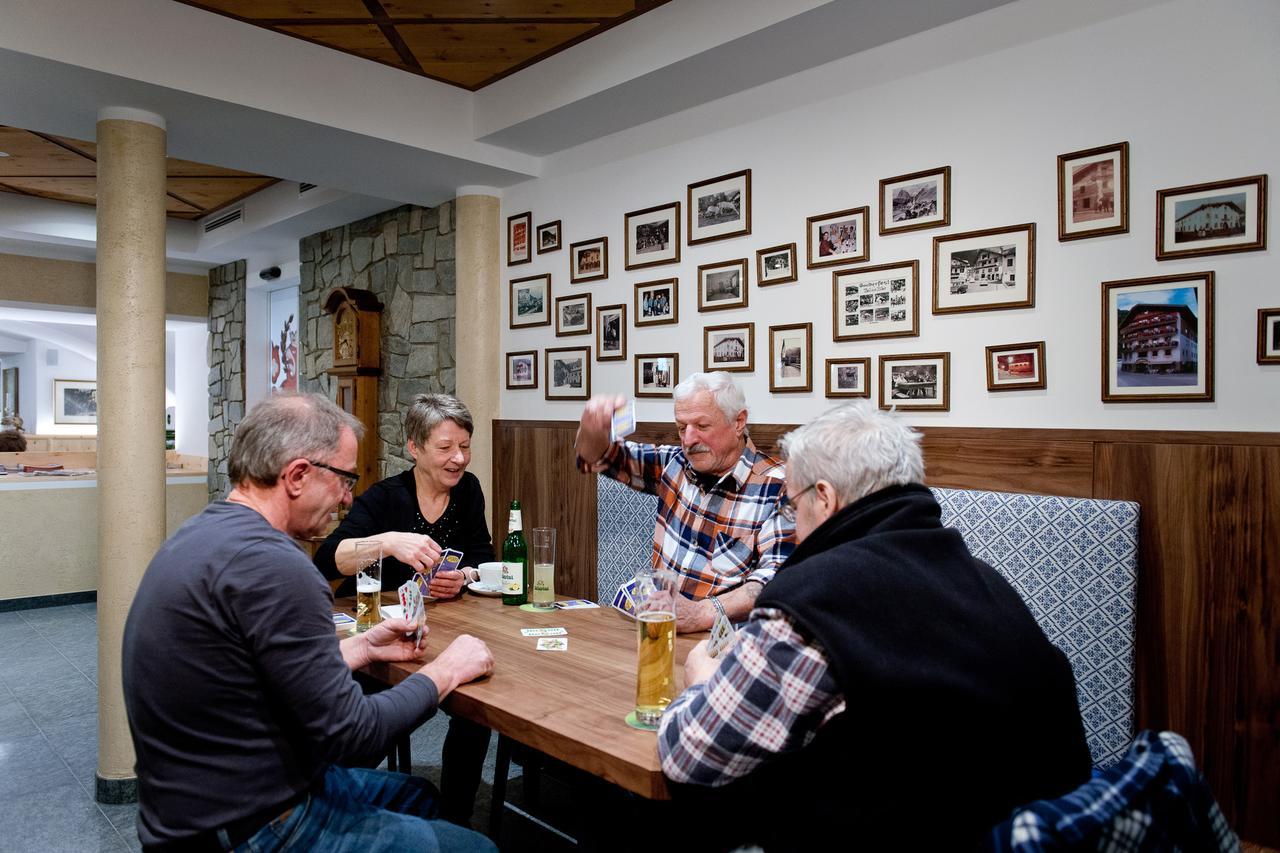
(368, 583)
(656, 630)
(542, 547)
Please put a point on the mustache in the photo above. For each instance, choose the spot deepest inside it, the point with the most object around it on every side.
(697, 448)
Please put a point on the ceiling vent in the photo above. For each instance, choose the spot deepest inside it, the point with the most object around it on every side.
(304, 188)
(223, 219)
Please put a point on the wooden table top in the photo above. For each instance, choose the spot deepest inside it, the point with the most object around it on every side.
(570, 705)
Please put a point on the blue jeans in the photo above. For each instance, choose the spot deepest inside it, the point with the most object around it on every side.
(364, 811)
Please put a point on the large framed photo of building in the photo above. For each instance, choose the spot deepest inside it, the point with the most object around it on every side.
(1093, 192)
(722, 285)
(720, 208)
(1212, 219)
(589, 260)
(985, 270)
(568, 373)
(1157, 339)
(916, 201)
(919, 381)
(652, 236)
(1268, 336)
(876, 302)
(530, 301)
(838, 238)
(611, 333)
(730, 348)
(657, 374)
(791, 358)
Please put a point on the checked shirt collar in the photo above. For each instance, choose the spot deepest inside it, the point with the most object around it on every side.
(733, 479)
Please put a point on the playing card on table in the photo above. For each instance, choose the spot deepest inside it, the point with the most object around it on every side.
(575, 604)
(553, 644)
(343, 620)
(722, 635)
(543, 632)
(624, 421)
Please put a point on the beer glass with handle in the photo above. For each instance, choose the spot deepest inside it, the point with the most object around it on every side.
(656, 628)
(368, 584)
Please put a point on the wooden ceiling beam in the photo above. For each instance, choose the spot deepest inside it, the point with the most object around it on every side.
(392, 35)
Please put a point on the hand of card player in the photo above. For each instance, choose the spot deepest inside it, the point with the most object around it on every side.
(445, 579)
(414, 612)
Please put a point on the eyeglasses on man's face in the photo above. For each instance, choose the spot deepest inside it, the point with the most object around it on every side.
(349, 478)
(787, 507)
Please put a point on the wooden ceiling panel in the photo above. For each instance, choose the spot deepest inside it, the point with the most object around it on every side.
(474, 53)
(362, 40)
(32, 154)
(602, 10)
(176, 168)
(78, 189)
(295, 10)
(212, 193)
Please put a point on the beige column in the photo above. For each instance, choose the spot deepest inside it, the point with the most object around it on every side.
(479, 324)
(131, 474)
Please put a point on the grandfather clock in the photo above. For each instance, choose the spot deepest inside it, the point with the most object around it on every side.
(357, 364)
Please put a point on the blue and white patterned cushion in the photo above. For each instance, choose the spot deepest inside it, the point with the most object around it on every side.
(624, 535)
(1075, 562)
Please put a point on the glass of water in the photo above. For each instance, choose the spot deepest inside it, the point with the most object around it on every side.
(542, 550)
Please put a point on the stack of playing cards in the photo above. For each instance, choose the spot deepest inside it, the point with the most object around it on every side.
(722, 635)
(624, 599)
(624, 421)
(411, 601)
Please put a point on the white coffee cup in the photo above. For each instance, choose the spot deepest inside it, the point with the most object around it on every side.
(487, 575)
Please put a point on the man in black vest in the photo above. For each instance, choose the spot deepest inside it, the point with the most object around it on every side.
(889, 689)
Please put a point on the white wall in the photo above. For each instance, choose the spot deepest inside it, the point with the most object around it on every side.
(1190, 85)
(191, 388)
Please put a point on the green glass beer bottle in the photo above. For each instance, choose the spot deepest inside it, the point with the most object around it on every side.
(515, 560)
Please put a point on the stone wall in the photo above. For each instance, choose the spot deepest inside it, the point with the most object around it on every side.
(226, 368)
(406, 258)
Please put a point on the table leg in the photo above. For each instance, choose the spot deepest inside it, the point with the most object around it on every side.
(404, 750)
(502, 767)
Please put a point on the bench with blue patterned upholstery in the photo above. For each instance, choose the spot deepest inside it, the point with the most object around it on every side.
(1073, 560)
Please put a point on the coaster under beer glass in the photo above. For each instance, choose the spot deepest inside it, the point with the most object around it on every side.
(542, 548)
(656, 625)
(368, 556)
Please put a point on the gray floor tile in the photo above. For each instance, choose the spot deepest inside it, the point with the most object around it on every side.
(68, 821)
(29, 765)
(46, 618)
(61, 701)
(15, 722)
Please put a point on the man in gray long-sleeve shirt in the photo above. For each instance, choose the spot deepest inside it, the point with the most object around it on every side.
(243, 710)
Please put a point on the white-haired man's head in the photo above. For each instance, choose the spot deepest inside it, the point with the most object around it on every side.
(711, 415)
(844, 455)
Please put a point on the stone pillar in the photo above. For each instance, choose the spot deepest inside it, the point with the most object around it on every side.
(479, 301)
(131, 473)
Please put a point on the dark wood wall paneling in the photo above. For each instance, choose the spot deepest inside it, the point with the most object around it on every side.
(1208, 654)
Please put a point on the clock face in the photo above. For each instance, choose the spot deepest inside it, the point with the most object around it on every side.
(344, 335)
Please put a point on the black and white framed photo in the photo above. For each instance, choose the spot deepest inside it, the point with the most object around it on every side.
(917, 381)
(1093, 192)
(730, 348)
(1268, 336)
(75, 401)
(838, 238)
(568, 372)
(1016, 367)
(522, 370)
(589, 260)
(1157, 339)
(611, 333)
(720, 208)
(985, 270)
(9, 398)
(722, 286)
(657, 302)
(652, 236)
(573, 315)
(916, 201)
(791, 358)
(518, 227)
(657, 374)
(848, 377)
(1212, 219)
(876, 302)
(548, 237)
(530, 301)
(776, 265)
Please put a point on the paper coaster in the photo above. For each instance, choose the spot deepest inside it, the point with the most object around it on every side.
(529, 608)
(636, 724)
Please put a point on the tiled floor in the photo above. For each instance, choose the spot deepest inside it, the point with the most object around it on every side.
(49, 746)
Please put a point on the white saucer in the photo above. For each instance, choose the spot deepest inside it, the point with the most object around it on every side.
(481, 589)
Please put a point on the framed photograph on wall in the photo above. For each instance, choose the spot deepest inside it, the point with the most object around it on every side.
(876, 302)
(1157, 339)
(548, 236)
(917, 381)
(776, 265)
(730, 348)
(589, 260)
(652, 236)
(518, 238)
(1268, 339)
(848, 377)
(722, 286)
(985, 270)
(657, 374)
(529, 301)
(1093, 192)
(838, 238)
(573, 315)
(611, 333)
(791, 358)
(75, 401)
(568, 372)
(1015, 367)
(916, 201)
(9, 400)
(1212, 219)
(522, 370)
(719, 208)
(657, 302)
